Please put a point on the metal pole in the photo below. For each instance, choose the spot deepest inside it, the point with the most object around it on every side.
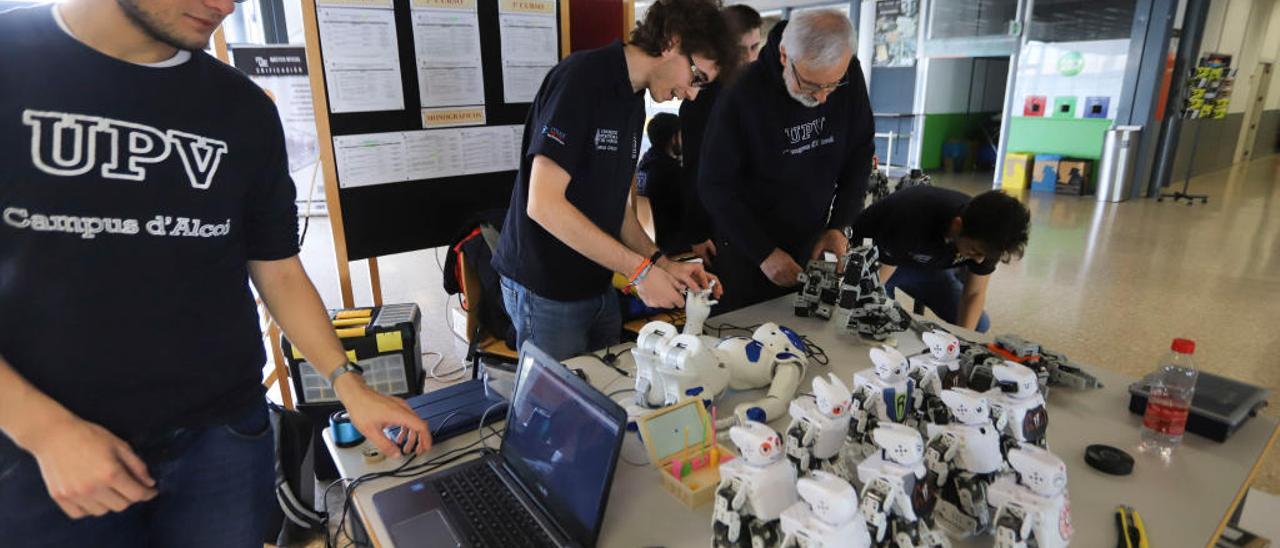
(1197, 11)
(1023, 20)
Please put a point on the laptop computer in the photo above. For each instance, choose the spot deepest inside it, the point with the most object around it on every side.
(547, 485)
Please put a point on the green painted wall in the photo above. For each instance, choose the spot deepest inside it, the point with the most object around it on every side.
(940, 128)
(1073, 138)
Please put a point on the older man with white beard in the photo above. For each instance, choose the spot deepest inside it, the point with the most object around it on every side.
(786, 158)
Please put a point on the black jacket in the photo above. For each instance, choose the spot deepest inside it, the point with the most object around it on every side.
(774, 173)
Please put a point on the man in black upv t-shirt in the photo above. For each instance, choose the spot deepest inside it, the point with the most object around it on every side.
(569, 226)
(143, 185)
(941, 246)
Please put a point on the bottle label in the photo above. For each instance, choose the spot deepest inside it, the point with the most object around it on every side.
(1166, 419)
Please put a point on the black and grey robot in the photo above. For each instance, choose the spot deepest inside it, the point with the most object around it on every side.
(819, 290)
(865, 306)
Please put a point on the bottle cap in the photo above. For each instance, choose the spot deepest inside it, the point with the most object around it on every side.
(1184, 346)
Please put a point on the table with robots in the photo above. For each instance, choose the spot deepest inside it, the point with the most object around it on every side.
(1186, 502)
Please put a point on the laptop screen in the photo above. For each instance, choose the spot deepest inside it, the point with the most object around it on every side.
(562, 444)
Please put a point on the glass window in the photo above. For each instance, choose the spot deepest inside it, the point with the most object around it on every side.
(1079, 20)
(971, 18)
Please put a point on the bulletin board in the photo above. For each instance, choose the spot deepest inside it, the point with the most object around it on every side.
(420, 110)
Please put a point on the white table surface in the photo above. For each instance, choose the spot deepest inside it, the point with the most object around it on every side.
(1182, 503)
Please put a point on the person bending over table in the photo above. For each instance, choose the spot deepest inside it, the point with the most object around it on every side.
(941, 246)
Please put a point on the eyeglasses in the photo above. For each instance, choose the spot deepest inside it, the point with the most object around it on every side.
(700, 78)
(813, 88)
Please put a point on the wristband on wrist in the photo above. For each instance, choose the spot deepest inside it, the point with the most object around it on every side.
(641, 272)
(657, 255)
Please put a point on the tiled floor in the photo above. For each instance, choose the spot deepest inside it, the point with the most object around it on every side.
(1107, 284)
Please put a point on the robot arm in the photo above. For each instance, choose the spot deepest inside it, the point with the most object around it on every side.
(799, 441)
(939, 454)
(697, 308)
(788, 370)
(1012, 527)
(651, 344)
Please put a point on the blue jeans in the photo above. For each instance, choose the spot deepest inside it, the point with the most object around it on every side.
(215, 489)
(562, 329)
(940, 290)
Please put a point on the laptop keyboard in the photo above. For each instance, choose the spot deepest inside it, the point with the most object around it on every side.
(497, 518)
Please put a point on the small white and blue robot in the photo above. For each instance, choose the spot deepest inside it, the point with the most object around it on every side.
(966, 456)
(818, 429)
(1033, 508)
(826, 515)
(754, 490)
(898, 493)
(1017, 396)
(883, 394)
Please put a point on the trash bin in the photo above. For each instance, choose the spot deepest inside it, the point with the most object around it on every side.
(1115, 169)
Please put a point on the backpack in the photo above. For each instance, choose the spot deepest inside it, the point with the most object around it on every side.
(475, 246)
(295, 518)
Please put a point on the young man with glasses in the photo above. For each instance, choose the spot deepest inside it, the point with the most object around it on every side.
(787, 155)
(941, 246)
(151, 187)
(744, 22)
(569, 226)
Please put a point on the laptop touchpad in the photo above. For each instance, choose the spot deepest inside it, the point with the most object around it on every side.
(429, 529)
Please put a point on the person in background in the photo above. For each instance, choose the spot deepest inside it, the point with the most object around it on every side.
(744, 22)
(152, 190)
(787, 155)
(941, 246)
(571, 224)
(658, 183)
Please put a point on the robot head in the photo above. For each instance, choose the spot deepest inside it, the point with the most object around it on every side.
(943, 345)
(777, 340)
(832, 499)
(1017, 379)
(758, 444)
(891, 365)
(656, 336)
(1041, 471)
(901, 443)
(833, 396)
(967, 406)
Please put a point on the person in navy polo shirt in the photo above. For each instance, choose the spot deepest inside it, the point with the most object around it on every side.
(143, 185)
(570, 226)
(786, 157)
(941, 246)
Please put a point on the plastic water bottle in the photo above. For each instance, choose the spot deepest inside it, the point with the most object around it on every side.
(1170, 400)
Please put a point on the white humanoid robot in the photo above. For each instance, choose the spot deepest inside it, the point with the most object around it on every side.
(1033, 509)
(897, 496)
(937, 371)
(671, 366)
(826, 516)
(819, 425)
(1017, 396)
(882, 394)
(966, 456)
(753, 490)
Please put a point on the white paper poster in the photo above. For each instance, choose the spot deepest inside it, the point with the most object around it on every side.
(446, 39)
(530, 46)
(380, 158)
(281, 70)
(361, 59)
